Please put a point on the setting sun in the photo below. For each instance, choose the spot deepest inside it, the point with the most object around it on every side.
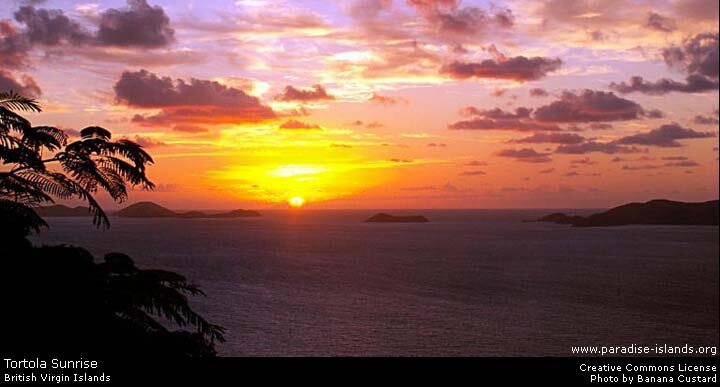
(296, 202)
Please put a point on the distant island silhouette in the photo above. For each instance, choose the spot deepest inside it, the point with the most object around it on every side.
(387, 218)
(153, 210)
(654, 212)
(142, 210)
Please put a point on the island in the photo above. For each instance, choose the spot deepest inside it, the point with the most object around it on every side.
(146, 210)
(387, 218)
(654, 212)
(153, 210)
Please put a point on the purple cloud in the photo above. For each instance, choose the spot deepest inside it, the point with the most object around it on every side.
(551, 138)
(527, 155)
(520, 68)
(593, 146)
(317, 92)
(588, 106)
(664, 136)
(693, 84)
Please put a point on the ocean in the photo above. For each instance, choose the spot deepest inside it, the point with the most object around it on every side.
(469, 283)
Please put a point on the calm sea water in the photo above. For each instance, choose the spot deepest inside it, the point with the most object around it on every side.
(468, 283)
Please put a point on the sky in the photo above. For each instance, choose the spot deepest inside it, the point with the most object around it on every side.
(384, 103)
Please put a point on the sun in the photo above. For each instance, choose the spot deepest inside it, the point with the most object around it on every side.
(296, 202)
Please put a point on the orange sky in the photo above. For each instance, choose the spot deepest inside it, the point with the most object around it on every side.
(385, 104)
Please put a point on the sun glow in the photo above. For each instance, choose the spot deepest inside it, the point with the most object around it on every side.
(299, 165)
(296, 202)
(296, 170)
(316, 183)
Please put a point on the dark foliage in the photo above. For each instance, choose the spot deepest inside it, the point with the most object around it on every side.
(56, 300)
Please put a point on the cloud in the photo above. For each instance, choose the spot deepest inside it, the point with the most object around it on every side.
(448, 187)
(419, 188)
(476, 163)
(654, 113)
(683, 164)
(401, 59)
(188, 102)
(482, 123)
(518, 69)
(25, 85)
(189, 129)
(593, 146)
(664, 136)
(369, 125)
(315, 93)
(600, 126)
(206, 115)
(498, 119)
(585, 161)
(447, 19)
(693, 84)
(697, 55)
(640, 167)
(145, 89)
(538, 92)
(674, 158)
(297, 125)
(706, 120)
(472, 173)
(139, 25)
(659, 22)
(145, 142)
(498, 92)
(50, 27)
(527, 155)
(551, 138)
(546, 171)
(573, 107)
(437, 145)
(384, 100)
(589, 106)
(13, 46)
(496, 113)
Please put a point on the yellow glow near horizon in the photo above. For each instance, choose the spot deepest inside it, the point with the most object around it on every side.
(286, 183)
(277, 165)
(296, 170)
(296, 202)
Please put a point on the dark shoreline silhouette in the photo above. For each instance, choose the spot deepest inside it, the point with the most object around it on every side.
(142, 210)
(654, 212)
(387, 218)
